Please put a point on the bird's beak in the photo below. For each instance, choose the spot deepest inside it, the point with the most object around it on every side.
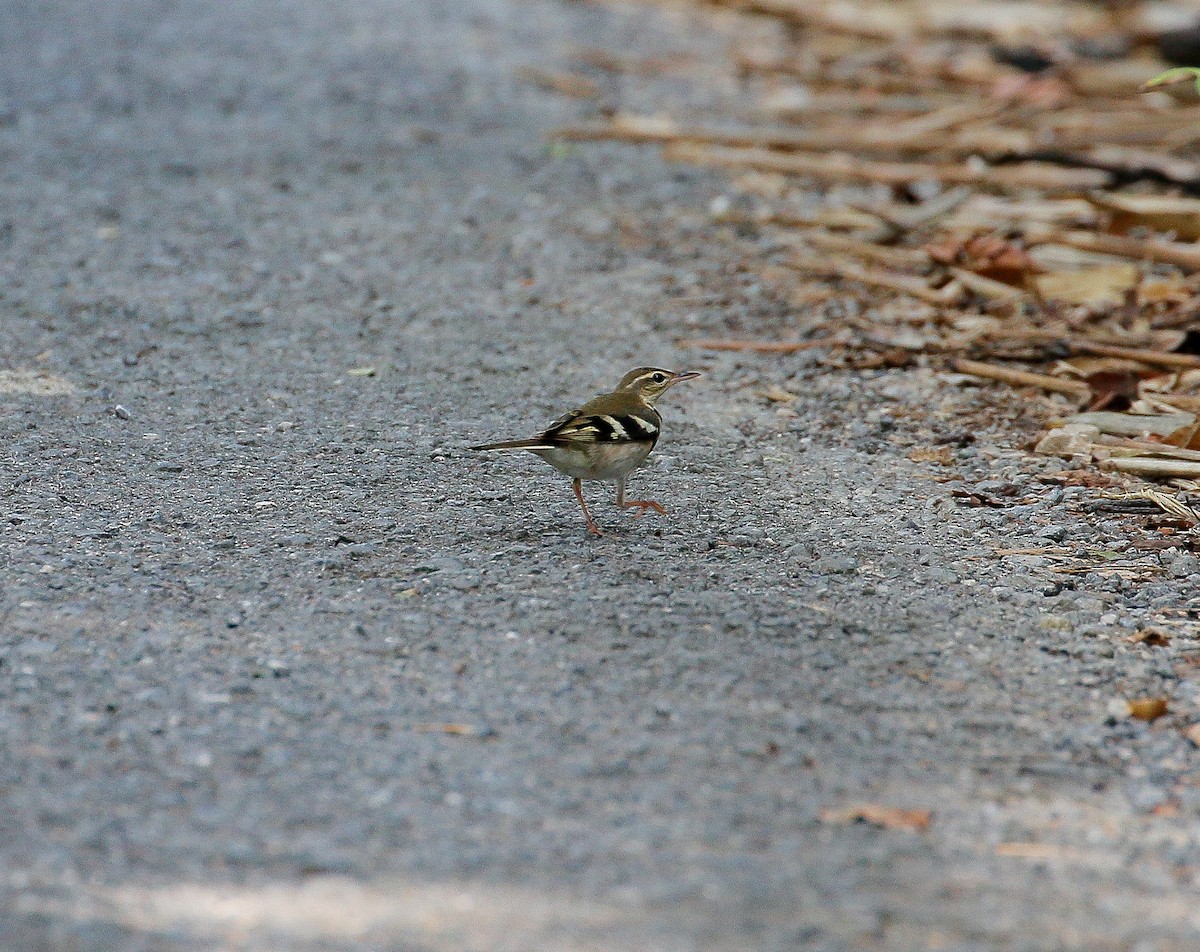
(687, 375)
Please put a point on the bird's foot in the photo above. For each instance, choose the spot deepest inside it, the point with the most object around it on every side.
(641, 505)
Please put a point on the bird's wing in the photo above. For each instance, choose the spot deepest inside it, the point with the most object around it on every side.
(600, 422)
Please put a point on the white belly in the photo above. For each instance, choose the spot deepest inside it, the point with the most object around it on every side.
(597, 460)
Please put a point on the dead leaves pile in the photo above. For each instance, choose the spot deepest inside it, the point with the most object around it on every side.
(986, 179)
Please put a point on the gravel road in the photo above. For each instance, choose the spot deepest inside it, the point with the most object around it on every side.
(284, 667)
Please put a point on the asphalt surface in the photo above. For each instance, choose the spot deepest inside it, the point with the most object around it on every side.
(283, 666)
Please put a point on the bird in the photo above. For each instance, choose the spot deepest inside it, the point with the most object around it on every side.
(607, 438)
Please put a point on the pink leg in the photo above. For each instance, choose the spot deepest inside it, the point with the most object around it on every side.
(640, 504)
(578, 484)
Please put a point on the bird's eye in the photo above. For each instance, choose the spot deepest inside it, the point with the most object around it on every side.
(659, 378)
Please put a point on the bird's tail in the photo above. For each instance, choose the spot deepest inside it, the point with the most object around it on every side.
(534, 444)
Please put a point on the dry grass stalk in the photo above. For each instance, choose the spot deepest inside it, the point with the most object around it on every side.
(1165, 501)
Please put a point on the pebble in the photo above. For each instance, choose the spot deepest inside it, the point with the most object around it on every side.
(835, 565)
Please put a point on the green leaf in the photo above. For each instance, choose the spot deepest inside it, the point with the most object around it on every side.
(1179, 74)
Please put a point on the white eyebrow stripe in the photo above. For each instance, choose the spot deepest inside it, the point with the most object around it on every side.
(618, 430)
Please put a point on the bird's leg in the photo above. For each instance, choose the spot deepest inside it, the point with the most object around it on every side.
(639, 504)
(578, 484)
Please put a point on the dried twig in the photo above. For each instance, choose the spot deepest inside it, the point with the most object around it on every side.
(1156, 467)
(1022, 378)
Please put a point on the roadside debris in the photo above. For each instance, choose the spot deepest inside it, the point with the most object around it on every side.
(990, 181)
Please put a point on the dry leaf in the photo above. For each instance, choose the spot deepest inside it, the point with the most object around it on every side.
(1147, 708)
(1113, 389)
(942, 455)
(1168, 290)
(1106, 284)
(1186, 437)
(1151, 638)
(1156, 212)
(996, 258)
(877, 814)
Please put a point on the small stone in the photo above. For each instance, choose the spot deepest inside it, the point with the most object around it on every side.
(121, 413)
(1053, 533)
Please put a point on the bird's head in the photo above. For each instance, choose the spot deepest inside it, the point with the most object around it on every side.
(650, 383)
